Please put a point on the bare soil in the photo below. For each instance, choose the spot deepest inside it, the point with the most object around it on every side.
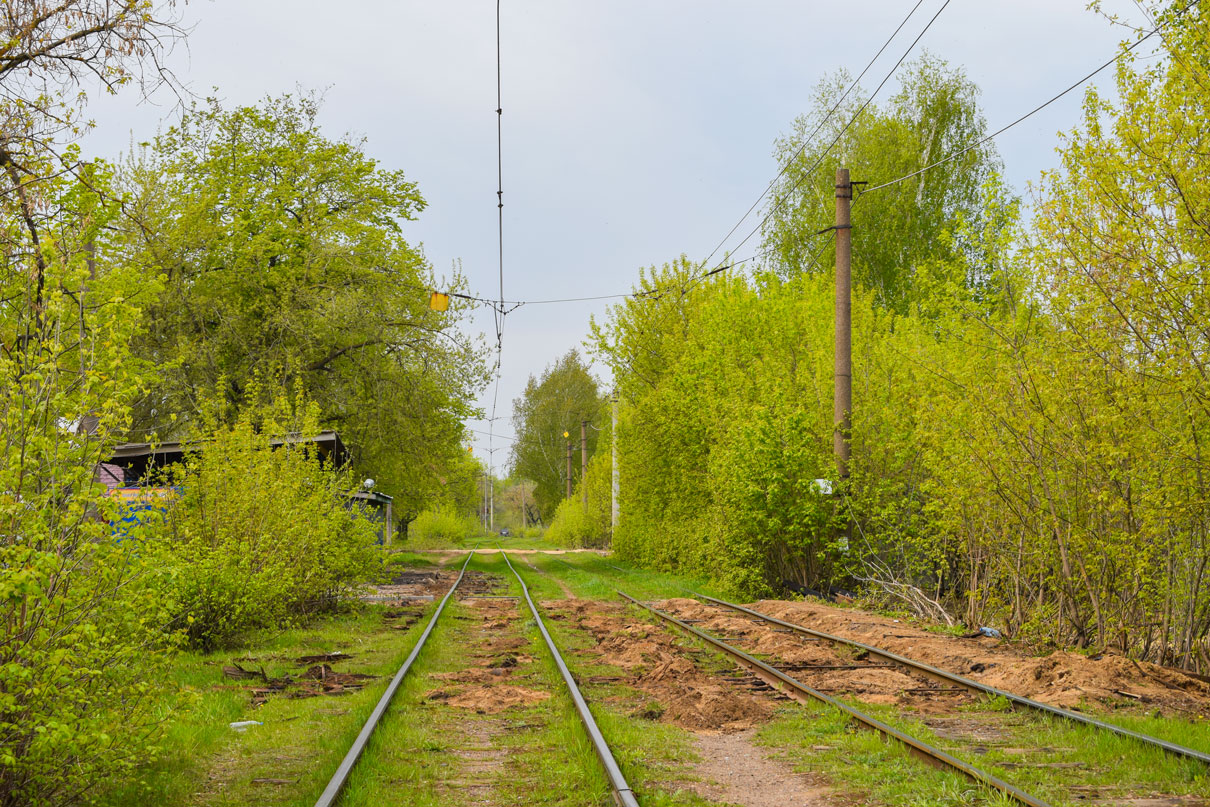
(483, 686)
(675, 690)
(1060, 678)
(734, 770)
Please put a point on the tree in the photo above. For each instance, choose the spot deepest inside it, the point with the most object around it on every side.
(81, 628)
(935, 113)
(284, 258)
(565, 395)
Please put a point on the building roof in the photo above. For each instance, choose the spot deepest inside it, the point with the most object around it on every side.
(138, 458)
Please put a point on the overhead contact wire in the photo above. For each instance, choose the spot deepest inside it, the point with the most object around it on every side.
(811, 136)
(794, 186)
(951, 157)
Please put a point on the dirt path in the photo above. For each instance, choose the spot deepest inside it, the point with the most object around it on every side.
(734, 770)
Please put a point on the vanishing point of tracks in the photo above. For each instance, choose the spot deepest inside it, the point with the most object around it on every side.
(773, 676)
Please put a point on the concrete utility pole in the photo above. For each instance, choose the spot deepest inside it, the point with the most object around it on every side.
(843, 401)
(584, 462)
(613, 465)
(568, 467)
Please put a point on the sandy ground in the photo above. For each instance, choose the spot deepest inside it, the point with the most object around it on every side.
(1060, 678)
(651, 661)
(734, 770)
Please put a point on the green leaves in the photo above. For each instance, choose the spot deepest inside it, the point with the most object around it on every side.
(284, 255)
(566, 395)
(260, 536)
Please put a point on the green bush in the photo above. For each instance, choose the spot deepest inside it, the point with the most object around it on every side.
(571, 526)
(575, 526)
(441, 526)
(82, 637)
(261, 537)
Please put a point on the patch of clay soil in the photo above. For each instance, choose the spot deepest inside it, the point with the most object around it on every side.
(1061, 678)
(484, 687)
(411, 585)
(489, 699)
(734, 770)
(652, 662)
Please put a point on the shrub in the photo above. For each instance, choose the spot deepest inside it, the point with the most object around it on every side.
(572, 525)
(261, 537)
(81, 627)
(441, 526)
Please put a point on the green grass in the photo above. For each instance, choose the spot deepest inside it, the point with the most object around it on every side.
(818, 738)
(1031, 752)
(302, 740)
(593, 577)
(548, 757)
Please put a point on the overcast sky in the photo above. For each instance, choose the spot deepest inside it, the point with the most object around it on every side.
(633, 131)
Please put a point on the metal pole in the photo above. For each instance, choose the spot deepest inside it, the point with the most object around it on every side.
(584, 462)
(843, 401)
(613, 464)
(569, 469)
(491, 507)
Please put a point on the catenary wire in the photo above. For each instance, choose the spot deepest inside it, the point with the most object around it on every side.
(806, 141)
(794, 186)
(955, 155)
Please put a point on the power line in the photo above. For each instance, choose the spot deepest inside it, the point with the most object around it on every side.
(955, 155)
(809, 137)
(786, 196)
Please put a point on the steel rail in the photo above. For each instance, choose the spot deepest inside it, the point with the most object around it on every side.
(780, 679)
(622, 793)
(337, 782)
(952, 678)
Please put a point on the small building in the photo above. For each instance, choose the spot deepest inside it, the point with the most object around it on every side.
(137, 460)
(132, 468)
(376, 508)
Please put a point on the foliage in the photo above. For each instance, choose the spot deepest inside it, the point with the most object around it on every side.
(81, 628)
(575, 524)
(934, 114)
(565, 395)
(261, 536)
(54, 47)
(284, 255)
(442, 526)
(1027, 452)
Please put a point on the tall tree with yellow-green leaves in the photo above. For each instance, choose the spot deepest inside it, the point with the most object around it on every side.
(284, 258)
(80, 628)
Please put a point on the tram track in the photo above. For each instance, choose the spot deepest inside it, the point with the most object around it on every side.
(944, 677)
(939, 687)
(782, 681)
(776, 674)
(617, 781)
(621, 792)
(333, 789)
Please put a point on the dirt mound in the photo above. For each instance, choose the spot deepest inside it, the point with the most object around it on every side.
(488, 699)
(674, 689)
(408, 585)
(1060, 678)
